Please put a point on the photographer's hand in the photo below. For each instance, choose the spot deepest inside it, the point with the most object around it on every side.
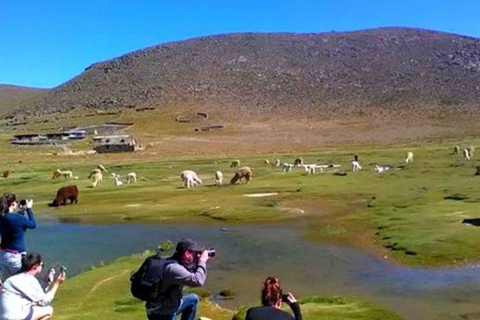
(204, 257)
(29, 204)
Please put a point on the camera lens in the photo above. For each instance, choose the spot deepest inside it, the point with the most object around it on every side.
(211, 253)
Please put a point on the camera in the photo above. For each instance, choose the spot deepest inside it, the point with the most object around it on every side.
(285, 298)
(211, 252)
(23, 202)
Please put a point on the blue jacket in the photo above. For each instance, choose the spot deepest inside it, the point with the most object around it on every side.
(13, 226)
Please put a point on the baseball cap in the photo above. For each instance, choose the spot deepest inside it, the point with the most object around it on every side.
(188, 245)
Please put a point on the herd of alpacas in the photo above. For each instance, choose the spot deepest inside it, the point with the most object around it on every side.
(190, 178)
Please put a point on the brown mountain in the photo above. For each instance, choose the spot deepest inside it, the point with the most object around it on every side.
(13, 96)
(395, 71)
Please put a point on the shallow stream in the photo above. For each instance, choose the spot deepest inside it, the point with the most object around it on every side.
(246, 254)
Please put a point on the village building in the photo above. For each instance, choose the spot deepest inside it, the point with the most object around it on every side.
(47, 138)
(115, 143)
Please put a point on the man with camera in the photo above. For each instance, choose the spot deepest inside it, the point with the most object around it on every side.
(187, 267)
(14, 221)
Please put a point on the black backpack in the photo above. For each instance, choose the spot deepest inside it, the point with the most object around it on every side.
(145, 282)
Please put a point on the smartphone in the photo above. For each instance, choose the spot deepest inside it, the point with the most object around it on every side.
(285, 297)
(62, 268)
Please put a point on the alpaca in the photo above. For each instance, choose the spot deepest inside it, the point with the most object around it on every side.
(287, 167)
(235, 163)
(65, 174)
(131, 177)
(409, 157)
(96, 176)
(356, 166)
(190, 179)
(243, 172)
(117, 181)
(380, 169)
(310, 168)
(218, 178)
(466, 155)
(471, 150)
(277, 163)
(267, 162)
(298, 162)
(456, 150)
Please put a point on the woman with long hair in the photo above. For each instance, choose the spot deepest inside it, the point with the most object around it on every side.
(272, 298)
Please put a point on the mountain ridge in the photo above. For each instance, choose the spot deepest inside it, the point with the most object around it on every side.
(396, 71)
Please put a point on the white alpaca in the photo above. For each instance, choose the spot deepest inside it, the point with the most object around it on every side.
(218, 178)
(287, 167)
(310, 168)
(471, 149)
(190, 179)
(466, 155)
(117, 181)
(96, 176)
(356, 166)
(67, 174)
(131, 177)
(409, 157)
(381, 169)
(277, 163)
(113, 175)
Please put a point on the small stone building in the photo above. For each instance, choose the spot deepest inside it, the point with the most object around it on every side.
(114, 143)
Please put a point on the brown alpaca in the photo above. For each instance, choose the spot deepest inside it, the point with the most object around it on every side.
(243, 172)
(56, 175)
(298, 162)
(6, 173)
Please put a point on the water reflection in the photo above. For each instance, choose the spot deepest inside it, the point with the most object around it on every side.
(247, 254)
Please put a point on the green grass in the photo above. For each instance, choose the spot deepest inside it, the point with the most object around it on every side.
(103, 293)
(409, 215)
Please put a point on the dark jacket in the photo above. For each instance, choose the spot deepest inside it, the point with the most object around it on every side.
(272, 313)
(13, 226)
(175, 277)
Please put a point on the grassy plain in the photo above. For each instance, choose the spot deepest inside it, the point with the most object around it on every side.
(412, 214)
(103, 293)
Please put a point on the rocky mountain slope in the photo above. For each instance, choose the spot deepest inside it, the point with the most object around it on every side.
(395, 71)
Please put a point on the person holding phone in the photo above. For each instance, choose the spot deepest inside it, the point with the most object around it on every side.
(13, 226)
(272, 298)
(22, 296)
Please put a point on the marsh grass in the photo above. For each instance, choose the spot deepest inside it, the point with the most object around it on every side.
(412, 214)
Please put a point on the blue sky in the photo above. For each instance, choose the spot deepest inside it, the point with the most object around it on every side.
(44, 43)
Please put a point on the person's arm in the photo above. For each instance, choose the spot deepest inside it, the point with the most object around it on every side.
(53, 287)
(30, 223)
(197, 278)
(295, 306)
